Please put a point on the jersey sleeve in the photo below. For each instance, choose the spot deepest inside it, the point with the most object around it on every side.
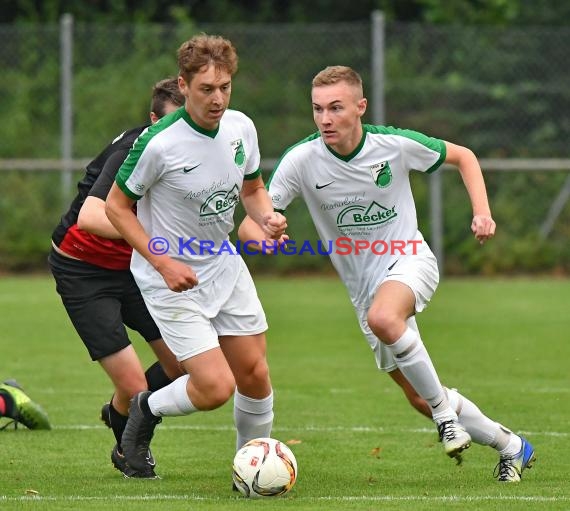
(284, 184)
(141, 168)
(101, 187)
(253, 161)
(422, 153)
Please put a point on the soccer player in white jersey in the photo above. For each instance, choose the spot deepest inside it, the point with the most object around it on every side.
(187, 173)
(354, 179)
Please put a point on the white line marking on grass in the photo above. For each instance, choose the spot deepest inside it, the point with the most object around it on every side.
(549, 390)
(73, 498)
(444, 498)
(310, 429)
(341, 391)
(346, 498)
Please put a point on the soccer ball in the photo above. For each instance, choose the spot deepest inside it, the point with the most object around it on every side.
(264, 467)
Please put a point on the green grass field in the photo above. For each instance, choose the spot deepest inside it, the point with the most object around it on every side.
(503, 343)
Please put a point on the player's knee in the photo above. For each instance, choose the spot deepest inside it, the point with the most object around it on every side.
(384, 323)
(130, 385)
(217, 393)
(257, 375)
(219, 398)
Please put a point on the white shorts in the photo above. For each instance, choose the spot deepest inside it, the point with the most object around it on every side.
(191, 322)
(421, 275)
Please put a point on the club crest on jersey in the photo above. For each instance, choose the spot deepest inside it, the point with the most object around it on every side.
(381, 174)
(239, 153)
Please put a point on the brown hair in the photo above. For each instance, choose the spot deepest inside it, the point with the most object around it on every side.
(165, 91)
(334, 74)
(203, 50)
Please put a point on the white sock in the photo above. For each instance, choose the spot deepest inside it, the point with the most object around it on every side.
(414, 361)
(172, 400)
(253, 417)
(513, 447)
(482, 429)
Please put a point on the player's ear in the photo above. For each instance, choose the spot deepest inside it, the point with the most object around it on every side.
(153, 117)
(182, 85)
(361, 105)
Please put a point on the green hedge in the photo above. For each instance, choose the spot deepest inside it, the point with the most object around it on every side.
(501, 92)
(32, 206)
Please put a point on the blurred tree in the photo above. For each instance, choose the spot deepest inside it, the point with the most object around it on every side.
(495, 12)
(488, 12)
(115, 11)
(275, 11)
(469, 12)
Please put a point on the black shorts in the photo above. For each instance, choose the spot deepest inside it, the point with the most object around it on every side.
(100, 303)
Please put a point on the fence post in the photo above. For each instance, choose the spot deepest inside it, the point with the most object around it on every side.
(436, 216)
(555, 210)
(66, 96)
(377, 66)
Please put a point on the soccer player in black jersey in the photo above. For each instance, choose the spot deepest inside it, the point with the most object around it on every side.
(90, 263)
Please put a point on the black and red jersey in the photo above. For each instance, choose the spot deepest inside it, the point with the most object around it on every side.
(113, 254)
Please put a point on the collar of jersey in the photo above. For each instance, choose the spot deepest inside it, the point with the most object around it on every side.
(199, 129)
(348, 157)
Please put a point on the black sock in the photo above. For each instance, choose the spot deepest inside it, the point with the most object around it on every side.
(156, 377)
(118, 423)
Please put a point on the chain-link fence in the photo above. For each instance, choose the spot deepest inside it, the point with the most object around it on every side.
(502, 92)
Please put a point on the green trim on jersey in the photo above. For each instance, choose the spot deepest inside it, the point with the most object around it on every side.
(435, 144)
(127, 192)
(139, 146)
(199, 129)
(356, 150)
(253, 175)
(311, 137)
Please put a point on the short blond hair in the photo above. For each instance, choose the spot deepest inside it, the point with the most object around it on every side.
(334, 74)
(203, 50)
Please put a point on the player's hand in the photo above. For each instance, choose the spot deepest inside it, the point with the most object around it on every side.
(483, 227)
(177, 275)
(271, 246)
(274, 225)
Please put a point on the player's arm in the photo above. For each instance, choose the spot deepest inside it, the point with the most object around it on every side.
(483, 225)
(260, 211)
(119, 209)
(248, 230)
(92, 216)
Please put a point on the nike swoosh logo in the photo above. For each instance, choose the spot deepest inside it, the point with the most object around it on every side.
(319, 187)
(190, 169)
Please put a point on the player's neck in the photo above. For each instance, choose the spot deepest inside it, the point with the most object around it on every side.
(347, 146)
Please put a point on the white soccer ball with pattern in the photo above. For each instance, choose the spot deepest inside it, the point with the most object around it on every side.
(264, 467)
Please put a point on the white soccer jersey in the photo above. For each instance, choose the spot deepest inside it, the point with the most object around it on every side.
(188, 180)
(361, 198)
